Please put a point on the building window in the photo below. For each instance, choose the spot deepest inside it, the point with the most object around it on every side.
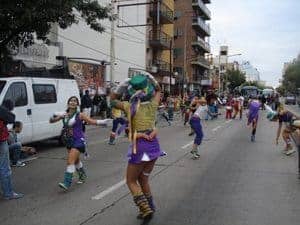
(177, 52)
(44, 93)
(177, 15)
(17, 93)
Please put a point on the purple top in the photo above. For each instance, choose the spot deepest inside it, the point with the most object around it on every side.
(254, 109)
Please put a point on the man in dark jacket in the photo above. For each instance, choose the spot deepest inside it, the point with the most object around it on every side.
(6, 117)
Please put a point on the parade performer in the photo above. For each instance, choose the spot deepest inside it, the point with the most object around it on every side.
(254, 106)
(74, 137)
(287, 118)
(195, 122)
(117, 119)
(144, 149)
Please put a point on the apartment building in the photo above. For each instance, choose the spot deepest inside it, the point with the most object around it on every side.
(159, 55)
(191, 38)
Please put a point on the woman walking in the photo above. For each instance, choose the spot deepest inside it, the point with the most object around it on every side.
(75, 141)
(144, 149)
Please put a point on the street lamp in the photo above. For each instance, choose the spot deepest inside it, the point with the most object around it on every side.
(219, 68)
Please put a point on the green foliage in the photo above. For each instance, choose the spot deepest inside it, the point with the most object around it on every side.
(21, 20)
(235, 78)
(291, 78)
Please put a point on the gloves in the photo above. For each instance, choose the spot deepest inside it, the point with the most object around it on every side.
(104, 122)
(122, 87)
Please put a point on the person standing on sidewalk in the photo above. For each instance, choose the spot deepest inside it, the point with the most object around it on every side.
(15, 146)
(254, 106)
(6, 117)
(75, 139)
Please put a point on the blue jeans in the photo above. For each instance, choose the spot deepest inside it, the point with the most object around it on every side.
(5, 170)
(15, 152)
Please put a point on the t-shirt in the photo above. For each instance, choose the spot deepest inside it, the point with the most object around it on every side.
(116, 113)
(286, 117)
(201, 111)
(144, 118)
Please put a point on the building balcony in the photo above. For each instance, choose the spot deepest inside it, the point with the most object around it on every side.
(200, 61)
(160, 67)
(201, 44)
(166, 14)
(159, 40)
(200, 26)
(201, 7)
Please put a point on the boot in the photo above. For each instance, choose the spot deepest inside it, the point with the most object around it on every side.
(151, 205)
(67, 181)
(145, 211)
(81, 175)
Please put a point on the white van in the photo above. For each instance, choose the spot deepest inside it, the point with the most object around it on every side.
(36, 99)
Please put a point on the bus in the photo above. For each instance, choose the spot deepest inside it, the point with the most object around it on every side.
(248, 91)
(267, 92)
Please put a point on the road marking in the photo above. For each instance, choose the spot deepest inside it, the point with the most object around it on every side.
(187, 145)
(228, 121)
(216, 128)
(109, 190)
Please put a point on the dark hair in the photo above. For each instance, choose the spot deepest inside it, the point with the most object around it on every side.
(77, 100)
(8, 104)
(86, 92)
(17, 124)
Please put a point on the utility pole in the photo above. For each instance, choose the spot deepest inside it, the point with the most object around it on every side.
(184, 57)
(171, 46)
(112, 43)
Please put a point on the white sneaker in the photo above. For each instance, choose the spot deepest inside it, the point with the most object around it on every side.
(289, 152)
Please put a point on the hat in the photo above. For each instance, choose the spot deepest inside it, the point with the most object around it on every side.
(141, 82)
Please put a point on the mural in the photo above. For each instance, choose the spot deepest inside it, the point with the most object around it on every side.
(88, 76)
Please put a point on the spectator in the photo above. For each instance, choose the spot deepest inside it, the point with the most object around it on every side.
(6, 117)
(86, 103)
(15, 146)
(96, 104)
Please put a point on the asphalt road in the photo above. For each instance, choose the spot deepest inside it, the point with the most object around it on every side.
(235, 182)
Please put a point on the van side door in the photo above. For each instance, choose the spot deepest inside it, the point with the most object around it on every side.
(18, 93)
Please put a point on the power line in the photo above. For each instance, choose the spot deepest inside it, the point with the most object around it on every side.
(132, 27)
(95, 50)
(138, 42)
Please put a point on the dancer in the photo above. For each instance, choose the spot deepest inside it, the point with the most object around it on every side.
(254, 106)
(144, 149)
(117, 119)
(286, 117)
(195, 122)
(74, 138)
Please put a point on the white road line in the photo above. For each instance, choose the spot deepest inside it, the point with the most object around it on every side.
(187, 145)
(228, 121)
(109, 190)
(216, 128)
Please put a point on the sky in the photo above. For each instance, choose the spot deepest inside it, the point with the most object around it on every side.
(265, 32)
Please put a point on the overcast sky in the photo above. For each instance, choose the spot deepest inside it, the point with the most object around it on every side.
(266, 32)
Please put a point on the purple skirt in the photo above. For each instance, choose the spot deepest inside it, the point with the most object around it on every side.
(252, 117)
(146, 151)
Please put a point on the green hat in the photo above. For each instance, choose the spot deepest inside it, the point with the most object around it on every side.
(138, 82)
(141, 82)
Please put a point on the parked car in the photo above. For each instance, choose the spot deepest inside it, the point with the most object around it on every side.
(36, 99)
(290, 99)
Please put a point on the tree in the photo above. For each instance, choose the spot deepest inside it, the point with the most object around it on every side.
(235, 78)
(291, 78)
(256, 84)
(21, 21)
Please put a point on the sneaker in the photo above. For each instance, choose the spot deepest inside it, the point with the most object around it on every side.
(169, 123)
(63, 186)
(18, 164)
(14, 196)
(252, 138)
(196, 156)
(289, 152)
